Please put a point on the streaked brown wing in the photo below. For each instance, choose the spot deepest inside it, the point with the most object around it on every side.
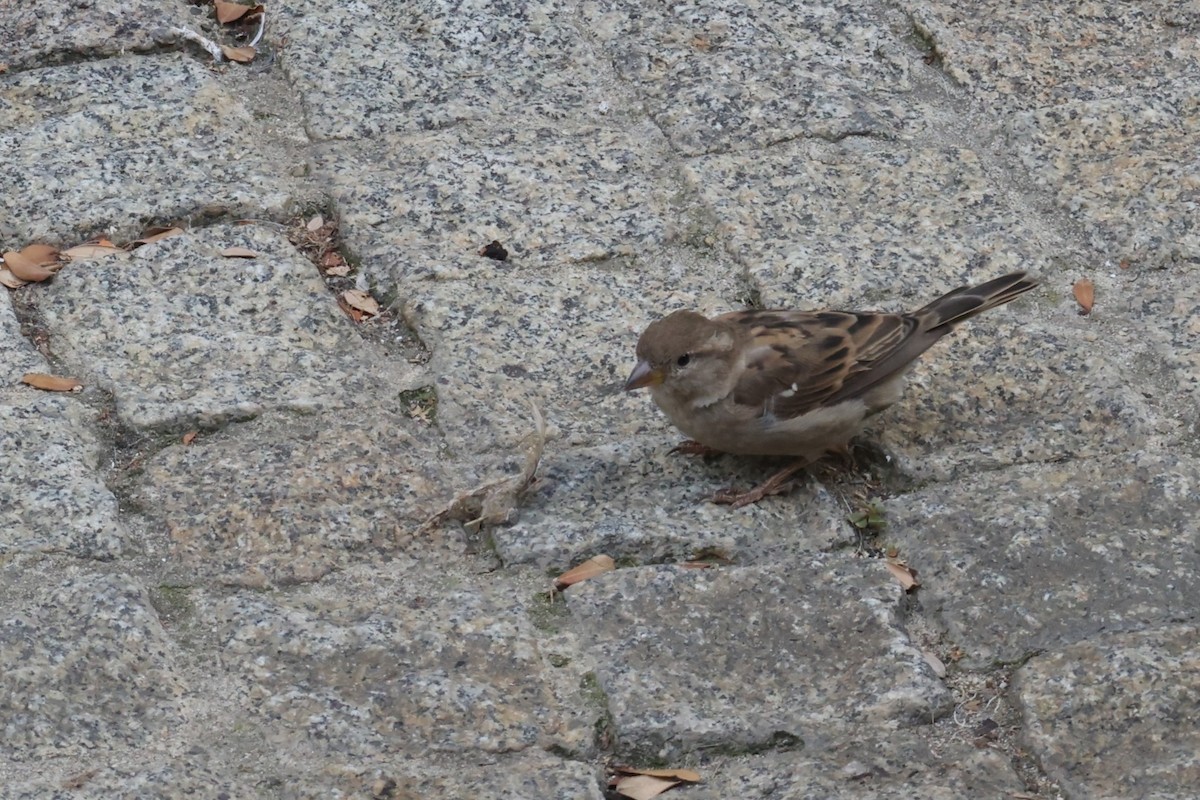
(801, 360)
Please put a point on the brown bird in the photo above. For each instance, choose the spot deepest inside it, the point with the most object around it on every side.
(792, 383)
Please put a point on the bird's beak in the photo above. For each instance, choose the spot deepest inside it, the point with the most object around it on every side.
(643, 375)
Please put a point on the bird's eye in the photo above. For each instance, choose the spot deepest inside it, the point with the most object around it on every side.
(684, 359)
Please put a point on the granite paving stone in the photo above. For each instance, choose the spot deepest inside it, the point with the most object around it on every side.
(1032, 54)
(276, 608)
(1007, 389)
(883, 765)
(85, 666)
(286, 498)
(44, 35)
(639, 502)
(717, 77)
(1098, 123)
(1115, 715)
(17, 355)
(498, 777)
(185, 777)
(752, 658)
(1124, 168)
(383, 659)
(430, 65)
(551, 194)
(186, 337)
(1039, 556)
(860, 223)
(54, 500)
(108, 146)
(1167, 309)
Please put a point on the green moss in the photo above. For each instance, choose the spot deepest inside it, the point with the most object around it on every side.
(421, 402)
(173, 603)
(869, 518)
(596, 699)
(547, 611)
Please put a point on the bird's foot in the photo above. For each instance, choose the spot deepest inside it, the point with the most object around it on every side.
(776, 484)
(690, 448)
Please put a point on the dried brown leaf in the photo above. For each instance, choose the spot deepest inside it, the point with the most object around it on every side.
(157, 234)
(1085, 294)
(496, 502)
(906, 575)
(231, 12)
(642, 787)
(85, 252)
(51, 383)
(686, 775)
(358, 299)
(242, 55)
(238, 252)
(25, 268)
(596, 565)
(43, 254)
(10, 280)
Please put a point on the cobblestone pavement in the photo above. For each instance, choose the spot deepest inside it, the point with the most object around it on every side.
(237, 563)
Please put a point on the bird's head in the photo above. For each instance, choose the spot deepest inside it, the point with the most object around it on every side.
(687, 355)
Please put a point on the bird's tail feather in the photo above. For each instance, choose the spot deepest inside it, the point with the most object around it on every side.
(967, 301)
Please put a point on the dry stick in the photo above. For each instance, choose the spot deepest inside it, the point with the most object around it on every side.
(498, 498)
(212, 47)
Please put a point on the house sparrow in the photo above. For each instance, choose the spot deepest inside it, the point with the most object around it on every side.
(792, 383)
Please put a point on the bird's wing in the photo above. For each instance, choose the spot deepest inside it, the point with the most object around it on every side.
(799, 361)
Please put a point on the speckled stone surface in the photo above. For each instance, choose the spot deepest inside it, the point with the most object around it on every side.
(863, 223)
(892, 766)
(1026, 558)
(383, 659)
(717, 77)
(1105, 106)
(1003, 391)
(187, 337)
(1034, 54)
(112, 145)
(431, 65)
(277, 609)
(1123, 168)
(54, 498)
(642, 504)
(550, 194)
(185, 777)
(746, 658)
(17, 355)
(86, 666)
(1095, 707)
(37, 36)
(355, 481)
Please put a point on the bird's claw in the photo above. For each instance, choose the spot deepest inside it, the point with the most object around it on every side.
(691, 448)
(778, 483)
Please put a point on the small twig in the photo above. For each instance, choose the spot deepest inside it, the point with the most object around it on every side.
(212, 47)
(496, 502)
(262, 26)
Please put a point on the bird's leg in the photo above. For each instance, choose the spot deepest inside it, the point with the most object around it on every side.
(777, 483)
(689, 448)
